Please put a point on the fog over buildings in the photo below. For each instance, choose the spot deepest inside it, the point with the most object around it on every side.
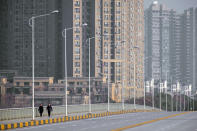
(170, 44)
(178, 5)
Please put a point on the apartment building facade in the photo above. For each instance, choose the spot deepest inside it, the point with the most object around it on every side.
(170, 45)
(16, 37)
(114, 26)
(157, 42)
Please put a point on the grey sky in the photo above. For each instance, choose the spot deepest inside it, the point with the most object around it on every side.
(178, 5)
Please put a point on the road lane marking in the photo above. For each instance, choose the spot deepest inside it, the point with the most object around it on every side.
(148, 122)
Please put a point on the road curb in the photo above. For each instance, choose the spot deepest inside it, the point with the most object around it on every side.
(65, 119)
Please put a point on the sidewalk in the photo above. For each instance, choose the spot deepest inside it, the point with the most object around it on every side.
(44, 117)
(20, 123)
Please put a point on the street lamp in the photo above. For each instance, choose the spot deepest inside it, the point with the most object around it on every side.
(153, 93)
(32, 25)
(184, 100)
(135, 47)
(160, 94)
(89, 39)
(152, 84)
(123, 76)
(193, 103)
(66, 83)
(172, 95)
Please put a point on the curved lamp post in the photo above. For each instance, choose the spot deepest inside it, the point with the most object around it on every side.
(32, 25)
(66, 83)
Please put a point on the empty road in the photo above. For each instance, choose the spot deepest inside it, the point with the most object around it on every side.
(183, 122)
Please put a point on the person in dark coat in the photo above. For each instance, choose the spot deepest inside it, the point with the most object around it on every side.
(49, 109)
(41, 109)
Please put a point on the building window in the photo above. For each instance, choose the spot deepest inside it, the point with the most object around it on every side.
(105, 44)
(118, 64)
(77, 30)
(77, 71)
(77, 24)
(106, 10)
(105, 64)
(77, 10)
(77, 3)
(118, 4)
(77, 16)
(26, 83)
(17, 83)
(45, 83)
(77, 57)
(77, 51)
(105, 70)
(77, 64)
(106, 37)
(106, 24)
(105, 51)
(77, 37)
(77, 44)
(106, 17)
(118, 78)
(37, 83)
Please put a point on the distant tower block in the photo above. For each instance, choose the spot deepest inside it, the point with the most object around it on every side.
(155, 2)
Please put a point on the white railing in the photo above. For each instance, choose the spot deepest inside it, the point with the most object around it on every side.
(20, 113)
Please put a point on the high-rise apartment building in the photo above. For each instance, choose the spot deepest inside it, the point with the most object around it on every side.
(170, 43)
(122, 44)
(157, 42)
(116, 47)
(188, 44)
(16, 36)
(175, 45)
(114, 26)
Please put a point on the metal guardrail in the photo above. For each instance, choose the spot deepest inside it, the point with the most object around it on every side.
(20, 113)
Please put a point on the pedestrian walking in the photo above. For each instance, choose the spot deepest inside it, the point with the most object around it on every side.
(49, 109)
(41, 109)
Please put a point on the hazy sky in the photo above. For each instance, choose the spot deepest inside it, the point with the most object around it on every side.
(178, 5)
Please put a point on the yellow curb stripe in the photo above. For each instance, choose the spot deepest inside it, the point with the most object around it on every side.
(32, 123)
(51, 120)
(63, 119)
(15, 125)
(37, 123)
(21, 125)
(26, 124)
(9, 126)
(70, 118)
(55, 120)
(59, 119)
(2, 127)
(46, 121)
(41, 122)
(148, 122)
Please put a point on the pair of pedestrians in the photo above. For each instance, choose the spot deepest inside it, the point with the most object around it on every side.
(49, 109)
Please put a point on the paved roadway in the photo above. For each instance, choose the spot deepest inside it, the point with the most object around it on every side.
(185, 122)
